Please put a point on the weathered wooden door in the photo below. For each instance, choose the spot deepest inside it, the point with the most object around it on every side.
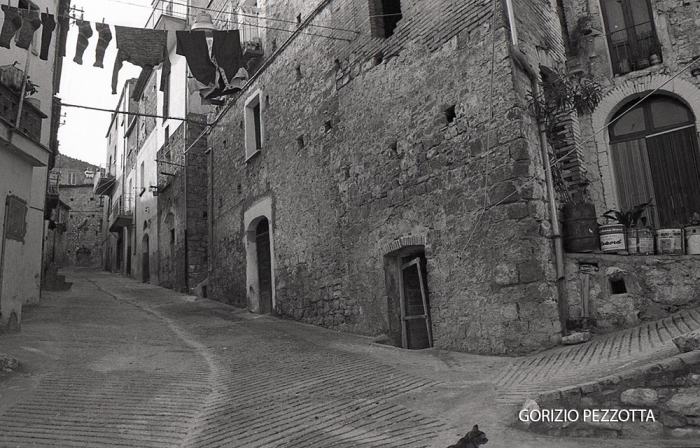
(262, 246)
(145, 261)
(415, 310)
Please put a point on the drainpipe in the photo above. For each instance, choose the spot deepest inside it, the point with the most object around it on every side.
(536, 90)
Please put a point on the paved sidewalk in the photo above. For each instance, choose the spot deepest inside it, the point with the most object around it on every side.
(113, 362)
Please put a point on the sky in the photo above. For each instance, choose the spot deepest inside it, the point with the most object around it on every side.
(83, 134)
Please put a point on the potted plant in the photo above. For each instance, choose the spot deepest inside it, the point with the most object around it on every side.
(637, 239)
(641, 55)
(692, 235)
(655, 52)
(624, 65)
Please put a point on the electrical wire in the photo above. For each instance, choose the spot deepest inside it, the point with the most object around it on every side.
(488, 129)
(137, 114)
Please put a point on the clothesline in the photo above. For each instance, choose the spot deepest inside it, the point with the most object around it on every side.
(136, 114)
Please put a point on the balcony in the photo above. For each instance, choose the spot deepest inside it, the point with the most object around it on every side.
(634, 48)
(171, 9)
(104, 180)
(10, 89)
(52, 199)
(122, 213)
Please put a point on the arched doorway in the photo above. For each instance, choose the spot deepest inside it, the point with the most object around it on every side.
(145, 260)
(654, 151)
(264, 262)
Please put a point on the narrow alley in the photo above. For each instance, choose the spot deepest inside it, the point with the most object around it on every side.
(113, 362)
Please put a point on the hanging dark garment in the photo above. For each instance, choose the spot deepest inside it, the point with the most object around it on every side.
(48, 26)
(63, 26)
(143, 47)
(10, 25)
(227, 55)
(193, 46)
(105, 37)
(84, 33)
(30, 23)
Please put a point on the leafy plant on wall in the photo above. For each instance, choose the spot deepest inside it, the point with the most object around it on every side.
(561, 96)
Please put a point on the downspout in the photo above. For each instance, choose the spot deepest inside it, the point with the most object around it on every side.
(534, 76)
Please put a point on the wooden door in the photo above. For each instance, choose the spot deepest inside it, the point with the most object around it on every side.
(415, 309)
(262, 246)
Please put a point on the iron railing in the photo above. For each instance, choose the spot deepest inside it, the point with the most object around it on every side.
(631, 47)
(170, 8)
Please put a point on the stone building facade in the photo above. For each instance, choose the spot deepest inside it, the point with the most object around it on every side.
(75, 238)
(359, 182)
(613, 43)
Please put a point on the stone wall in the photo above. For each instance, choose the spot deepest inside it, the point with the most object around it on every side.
(627, 290)
(669, 389)
(187, 216)
(82, 240)
(369, 141)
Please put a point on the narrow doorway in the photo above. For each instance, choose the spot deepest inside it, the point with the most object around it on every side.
(262, 247)
(145, 261)
(416, 326)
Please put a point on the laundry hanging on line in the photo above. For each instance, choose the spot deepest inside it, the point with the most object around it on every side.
(48, 26)
(84, 34)
(21, 23)
(220, 72)
(146, 48)
(105, 37)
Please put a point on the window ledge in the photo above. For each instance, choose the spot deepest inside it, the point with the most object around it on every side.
(252, 156)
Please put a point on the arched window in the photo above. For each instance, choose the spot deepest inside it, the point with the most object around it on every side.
(655, 154)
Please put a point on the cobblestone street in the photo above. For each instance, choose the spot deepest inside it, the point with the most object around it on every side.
(113, 362)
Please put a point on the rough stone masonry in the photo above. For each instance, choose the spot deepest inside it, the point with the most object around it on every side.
(368, 141)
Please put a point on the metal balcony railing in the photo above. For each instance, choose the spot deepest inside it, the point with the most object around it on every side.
(54, 179)
(631, 47)
(228, 15)
(170, 8)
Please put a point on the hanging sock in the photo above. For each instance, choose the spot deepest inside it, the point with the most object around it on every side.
(84, 33)
(48, 25)
(10, 26)
(30, 23)
(63, 26)
(143, 47)
(102, 43)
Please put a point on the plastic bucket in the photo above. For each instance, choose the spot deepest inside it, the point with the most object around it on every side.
(580, 228)
(669, 241)
(612, 238)
(692, 240)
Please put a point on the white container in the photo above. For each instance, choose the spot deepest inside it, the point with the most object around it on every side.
(669, 241)
(692, 240)
(612, 238)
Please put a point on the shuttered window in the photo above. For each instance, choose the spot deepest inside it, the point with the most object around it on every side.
(655, 154)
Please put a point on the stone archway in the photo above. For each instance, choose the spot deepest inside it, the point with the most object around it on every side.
(260, 257)
(618, 98)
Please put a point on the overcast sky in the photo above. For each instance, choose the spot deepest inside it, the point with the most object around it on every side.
(83, 134)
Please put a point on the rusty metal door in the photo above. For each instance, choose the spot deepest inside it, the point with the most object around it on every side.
(262, 246)
(415, 312)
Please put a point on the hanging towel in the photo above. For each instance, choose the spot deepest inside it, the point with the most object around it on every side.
(143, 47)
(48, 25)
(30, 23)
(63, 26)
(102, 43)
(84, 33)
(193, 46)
(10, 26)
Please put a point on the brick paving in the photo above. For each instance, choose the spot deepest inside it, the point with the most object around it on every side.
(117, 363)
(602, 356)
